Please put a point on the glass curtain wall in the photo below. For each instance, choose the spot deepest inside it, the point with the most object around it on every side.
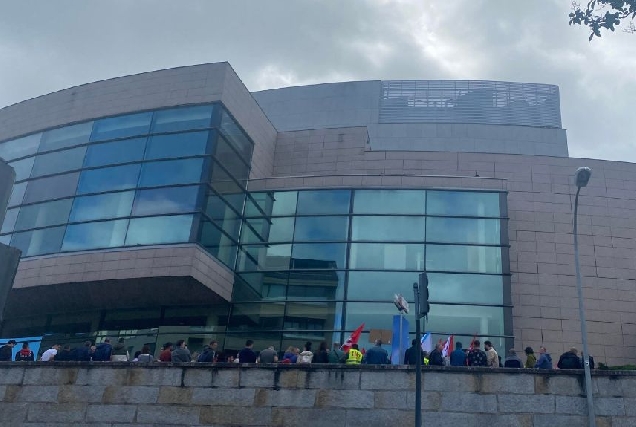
(322, 262)
(158, 177)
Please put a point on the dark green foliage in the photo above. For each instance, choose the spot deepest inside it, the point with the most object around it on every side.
(603, 14)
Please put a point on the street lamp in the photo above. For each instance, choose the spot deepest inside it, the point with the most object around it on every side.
(582, 178)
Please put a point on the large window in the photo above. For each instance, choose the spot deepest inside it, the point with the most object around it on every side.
(336, 258)
(136, 179)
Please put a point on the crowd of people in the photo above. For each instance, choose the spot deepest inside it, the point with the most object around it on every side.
(376, 355)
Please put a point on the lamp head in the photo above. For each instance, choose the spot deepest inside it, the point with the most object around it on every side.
(582, 176)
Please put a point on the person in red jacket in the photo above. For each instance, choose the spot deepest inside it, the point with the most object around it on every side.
(25, 355)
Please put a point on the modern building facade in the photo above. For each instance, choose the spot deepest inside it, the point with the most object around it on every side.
(177, 204)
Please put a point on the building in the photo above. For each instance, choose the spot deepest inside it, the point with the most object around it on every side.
(177, 204)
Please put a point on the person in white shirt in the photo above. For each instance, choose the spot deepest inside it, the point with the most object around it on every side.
(49, 354)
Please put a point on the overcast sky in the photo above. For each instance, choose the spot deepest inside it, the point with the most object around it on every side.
(48, 45)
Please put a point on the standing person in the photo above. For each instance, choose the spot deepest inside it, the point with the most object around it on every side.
(435, 358)
(144, 356)
(323, 354)
(458, 356)
(103, 351)
(209, 354)
(512, 361)
(570, 360)
(491, 355)
(120, 353)
(531, 359)
(545, 360)
(336, 355)
(410, 355)
(25, 355)
(306, 356)
(376, 355)
(166, 352)
(290, 355)
(181, 354)
(64, 355)
(268, 355)
(476, 357)
(6, 352)
(49, 354)
(247, 355)
(353, 356)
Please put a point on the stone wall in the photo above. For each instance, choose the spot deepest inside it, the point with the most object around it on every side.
(39, 394)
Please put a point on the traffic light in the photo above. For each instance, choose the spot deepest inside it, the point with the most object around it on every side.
(424, 306)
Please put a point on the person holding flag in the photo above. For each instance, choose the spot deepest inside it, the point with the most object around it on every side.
(353, 338)
(447, 349)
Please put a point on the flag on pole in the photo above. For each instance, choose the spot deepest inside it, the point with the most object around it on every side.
(427, 342)
(353, 339)
(448, 347)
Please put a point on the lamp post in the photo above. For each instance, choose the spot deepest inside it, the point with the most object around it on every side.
(582, 177)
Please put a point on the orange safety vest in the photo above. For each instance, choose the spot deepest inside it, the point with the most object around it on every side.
(354, 358)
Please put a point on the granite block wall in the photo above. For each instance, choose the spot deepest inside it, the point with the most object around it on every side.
(37, 394)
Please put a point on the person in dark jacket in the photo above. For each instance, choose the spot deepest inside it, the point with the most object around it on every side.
(458, 356)
(545, 360)
(6, 352)
(247, 355)
(323, 354)
(209, 353)
(82, 354)
(65, 354)
(570, 360)
(512, 360)
(476, 356)
(25, 355)
(376, 355)
(583, 362)
(436, 358)
(410, 356)
(103, 351)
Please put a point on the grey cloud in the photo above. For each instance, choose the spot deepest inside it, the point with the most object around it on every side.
(46, 46)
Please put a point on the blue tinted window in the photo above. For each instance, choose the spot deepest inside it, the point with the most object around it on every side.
(388, 228)
(5, 240)
(319, 256)
(211, 235)
(457, 203)
(182, 119)
(67, 136)
(272, 257)
(236, 136)
(112, 153)
(284, 203)
(58, 161)
(9, 220)
(17, 194)
(166, 200)
(158, 230)
(324, 202)
(39, 242)
(95, 235)
(172, 172)
(321, 228)
(226, 156)
(121, 126)
(387, 256)
(44, 214)
(478, 259)
(22, 168)
(20, 147)
(463, 230)
(54, 187)
(380, 285)
(467, 288)
(109, 179)
(264, 201)
(177, 145)
(389, 202)
(111, 205)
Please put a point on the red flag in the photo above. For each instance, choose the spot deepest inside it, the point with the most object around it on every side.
(353, 338)
(472, 342)
(448, 347)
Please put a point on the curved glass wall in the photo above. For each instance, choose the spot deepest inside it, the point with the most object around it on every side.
(167, 176)
(322, 262)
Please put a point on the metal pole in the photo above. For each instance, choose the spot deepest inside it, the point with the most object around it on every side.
(418, 362)
(586, 354)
